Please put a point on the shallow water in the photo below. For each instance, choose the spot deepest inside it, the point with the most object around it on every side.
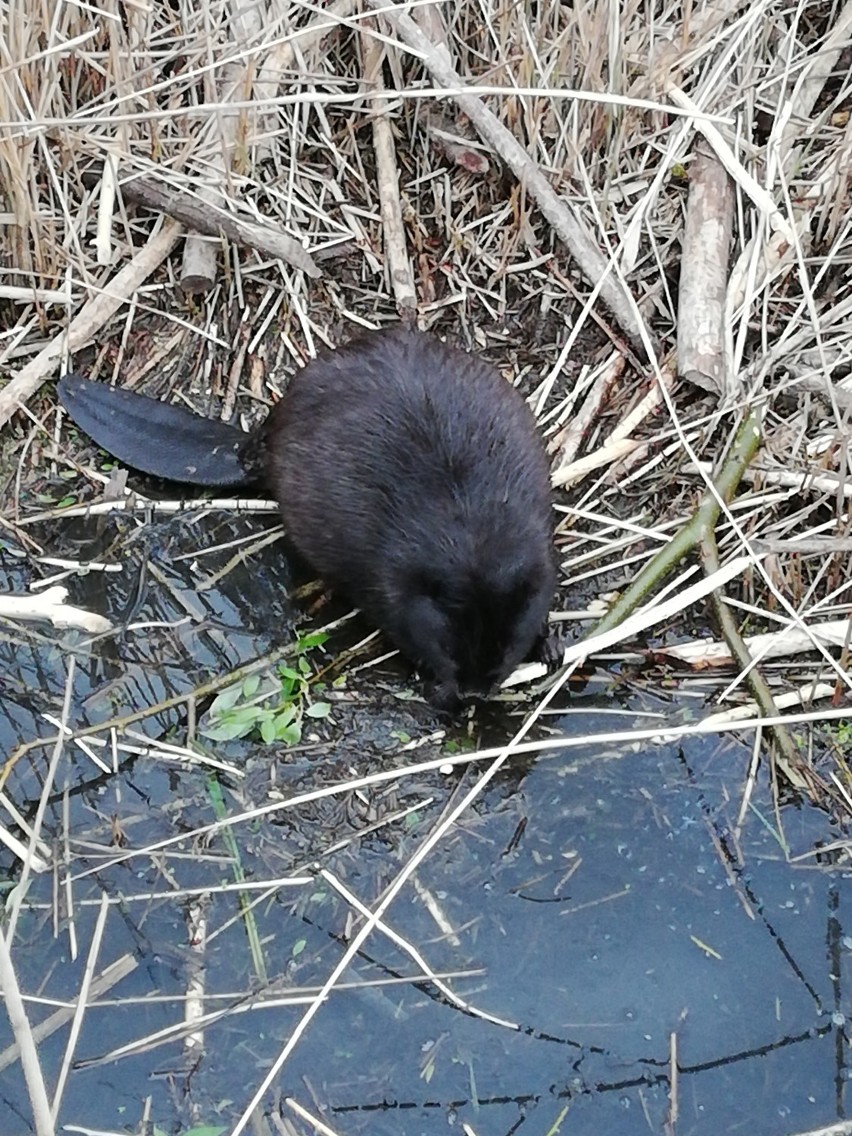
(601, 898)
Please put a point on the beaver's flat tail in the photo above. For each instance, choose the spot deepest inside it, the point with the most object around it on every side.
(156, 437)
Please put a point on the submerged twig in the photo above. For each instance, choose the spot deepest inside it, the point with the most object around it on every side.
(109, 977)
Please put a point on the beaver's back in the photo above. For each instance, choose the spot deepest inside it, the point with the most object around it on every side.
(412, 476)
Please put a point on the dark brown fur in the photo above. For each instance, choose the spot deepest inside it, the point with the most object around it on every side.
(409, 474)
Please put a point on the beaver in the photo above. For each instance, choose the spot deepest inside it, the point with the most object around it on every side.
(410, 476)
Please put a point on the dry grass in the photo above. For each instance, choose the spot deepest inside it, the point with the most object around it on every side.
(265, 111)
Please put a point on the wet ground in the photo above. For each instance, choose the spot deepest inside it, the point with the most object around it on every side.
(604, 901)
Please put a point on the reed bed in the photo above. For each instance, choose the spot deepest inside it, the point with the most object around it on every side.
(639, 211)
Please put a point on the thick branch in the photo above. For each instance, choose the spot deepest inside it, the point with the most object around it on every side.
(204, 217)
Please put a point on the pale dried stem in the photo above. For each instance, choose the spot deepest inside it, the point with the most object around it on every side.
(23, 1035)
(200, 254)
(50, 605)
(398, 265)
(569, 439)
(620, 444)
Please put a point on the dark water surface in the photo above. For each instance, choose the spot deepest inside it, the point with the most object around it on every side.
(600, 897)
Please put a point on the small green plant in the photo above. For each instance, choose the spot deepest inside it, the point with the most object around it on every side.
(274, 711)
(454, 746)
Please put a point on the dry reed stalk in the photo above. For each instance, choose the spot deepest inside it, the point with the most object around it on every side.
(222, 133)
(82, 1001)
(398, 269)
(568, 440)
(23, 1034)
(620, 445)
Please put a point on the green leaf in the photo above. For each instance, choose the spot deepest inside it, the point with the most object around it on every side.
(268, 729)
(224, 701)
(318, 710)
(291, 735)
(250, 686)
(309, 641)
(285, 717)
(226, 731)
(249, 714)
(298, 947)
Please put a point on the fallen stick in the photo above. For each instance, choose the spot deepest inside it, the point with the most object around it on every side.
(205, 217)
(50, 605)
(702, 358)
